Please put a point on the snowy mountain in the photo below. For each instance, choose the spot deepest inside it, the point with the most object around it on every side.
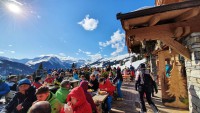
(7, 67)
(28, 66)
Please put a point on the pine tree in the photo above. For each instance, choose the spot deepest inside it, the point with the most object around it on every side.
(40, 66)
(177, 87)
(73, 65)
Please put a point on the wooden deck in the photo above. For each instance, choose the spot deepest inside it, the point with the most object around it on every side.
(130, 97)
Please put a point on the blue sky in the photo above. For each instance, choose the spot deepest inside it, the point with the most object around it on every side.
(76, 28)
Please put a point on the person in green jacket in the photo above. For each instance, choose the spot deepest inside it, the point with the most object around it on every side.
(63, 91)
(43, 94)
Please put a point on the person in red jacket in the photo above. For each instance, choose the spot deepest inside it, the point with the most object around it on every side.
(76, 102)
(49, 79)
(38, 82)
(106, 85)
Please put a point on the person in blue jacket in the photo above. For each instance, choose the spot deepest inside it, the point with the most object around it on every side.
(4, 88)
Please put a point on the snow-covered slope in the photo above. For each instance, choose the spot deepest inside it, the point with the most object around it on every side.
(125, 60)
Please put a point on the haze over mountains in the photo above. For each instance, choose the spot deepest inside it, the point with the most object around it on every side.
(28, 66)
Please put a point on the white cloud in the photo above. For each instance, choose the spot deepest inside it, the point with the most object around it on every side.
(10, 45)
(62, 54)
(12, 52)
(117, 42)
(85, 52)
(89, 23)
(1, 52)
(95, 56)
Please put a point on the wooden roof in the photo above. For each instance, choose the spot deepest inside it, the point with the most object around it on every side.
(165, 23)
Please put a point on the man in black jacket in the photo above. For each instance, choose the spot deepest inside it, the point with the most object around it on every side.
(144, 84)
(23, 99)
(93, 83)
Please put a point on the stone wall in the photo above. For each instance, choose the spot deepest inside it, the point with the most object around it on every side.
(193, 72)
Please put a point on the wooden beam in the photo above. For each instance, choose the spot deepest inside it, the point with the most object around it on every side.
(187, 30)
(126, 26)
(176, 46)
(187, 15)
(166, 32)
(178, 32)
(155, 32)
(154, 20)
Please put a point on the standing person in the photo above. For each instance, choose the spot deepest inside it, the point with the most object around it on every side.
(119, 80)
(43, 94)
(143, 85)
(23, 99)
(4, 88)
(132, 72)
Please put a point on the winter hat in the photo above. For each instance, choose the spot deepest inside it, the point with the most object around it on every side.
(12, 76)
(24, 81)
(142, 66)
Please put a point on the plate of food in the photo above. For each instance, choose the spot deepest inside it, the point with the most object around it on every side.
(102, 92)
(90, 90)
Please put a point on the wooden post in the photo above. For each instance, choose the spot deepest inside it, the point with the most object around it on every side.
(161, 74)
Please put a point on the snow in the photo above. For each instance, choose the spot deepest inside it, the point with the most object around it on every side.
(126, 58)
(1, 62)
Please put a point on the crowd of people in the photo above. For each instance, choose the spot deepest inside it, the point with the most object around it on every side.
(32, 94)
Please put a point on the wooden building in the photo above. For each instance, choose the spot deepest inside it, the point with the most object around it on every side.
(168, 35)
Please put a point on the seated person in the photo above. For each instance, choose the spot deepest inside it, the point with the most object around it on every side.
(83, 78)
(23, 99)
(4, 88)
(75, 75)
(93, 83)
(38, 82)
(43, 94)
(76, 102)
(30, 77)
(105, 85)
(63, 91)
(84, 85)
(12, 82)
(49, 79)
(40, 107)
(60, 77)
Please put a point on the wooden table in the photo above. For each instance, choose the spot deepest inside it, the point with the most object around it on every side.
(99, 98)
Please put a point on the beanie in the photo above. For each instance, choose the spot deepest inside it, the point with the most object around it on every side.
(24, 81)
